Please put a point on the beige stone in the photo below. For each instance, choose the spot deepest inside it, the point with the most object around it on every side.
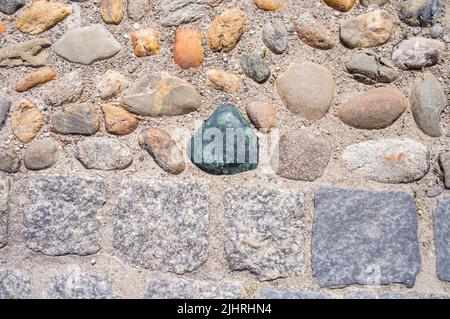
(26, 120)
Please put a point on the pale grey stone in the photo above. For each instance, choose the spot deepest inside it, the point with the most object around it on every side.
(103, 153)
(5, 106)
(171, 287)
(441, 221)
(264, 232)
(41, 154)
(417, 52)
(27, 53)
(369, 68)
(275, 36)
(436, 31)
(267, 293)
(162, 225)
(389, 160)
(62, 216)
(81, 286)
(9, 160)
(4, 198)
(364, 237)
(177, 12)
(137, 9)
(86, 45)
(367, 3)
(14, 285)
(434, 191)
(11, 6)
(390, 295)
(66, 89)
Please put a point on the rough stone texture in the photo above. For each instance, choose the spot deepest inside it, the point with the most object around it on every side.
(275, 36)
(226, 30)
(4, 199)
(66, 89)
(5, 106)
(264, 232)
(420, 12)
(255, 67)
(267, 293)
(28, 53)
(313, 32)
(145, 42)
(389, 160)
(369, 68)
(162, 225)
(428, 100)
(103, 153)
(9, 160)
(416, 53)
(177, 12)
(444, 160)
(86, 45)
(26, 120)
(41, 154)
(118, 121)
(390, 295)
(367, 3)
(375, 109)
(137, 9)
(262, 113)
(111, 83)
(36, 78)
(79, 119)
(81, 286)
(187, 48)
(171, 287)
(441, 221)
(160, 94)
(301, 156)
(111, 11)
(14, 285)
(307, 89)
(62, 216)
(11, 6)
(364, 237)
(223, 80)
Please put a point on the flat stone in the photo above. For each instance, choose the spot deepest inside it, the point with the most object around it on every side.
(428, 100)
(264, 231)
(40, 16)
(162, 225)
(267, 293)
(105, 154)
(434, 191)
(62, 216)
(416, 53)
(436, 31)
(313, 32)
(389, 295)
(14, 285)
(420, 12)
(86, 45)
(341, 5)
(272, 5)
(187, 48)
(81, 119)
(160, 94)
(36, 78)
(41, 154)
(145, 42)
(368, 68)
(66, 89)
(110, 84)
(301, 156)
(170, 287)
(441, 222)
(4, 199)
(255, 67)
(118, 121)
(28, 53)
(275, 36)
(112, 11)
(175, 13)
(307, 89)
(9, 160)
(5, 106)
(367, 30)
(160, 145)
(225, 144)
(26, 120)
(444, 161)
(363, 237)
(11, 6)
(388, 160)
(81, 286)
(226, 30)
(261, 113)
(137, 9)
(223, 80)
(375, 109)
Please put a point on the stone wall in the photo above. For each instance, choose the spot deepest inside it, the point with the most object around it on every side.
(101, 194)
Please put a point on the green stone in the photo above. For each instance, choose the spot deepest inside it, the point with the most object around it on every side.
(225, 144)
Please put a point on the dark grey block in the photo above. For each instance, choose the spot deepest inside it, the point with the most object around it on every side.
(442, 238)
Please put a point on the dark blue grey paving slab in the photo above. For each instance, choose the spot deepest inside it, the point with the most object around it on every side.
(14, 284)
(264, 231)
(267, 293)
(171, 287)
(81, 286)
(364, 237)
(442, 238)
(390, 295)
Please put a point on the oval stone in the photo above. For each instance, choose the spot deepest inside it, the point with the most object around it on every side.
(275, 36)
(226, 30)
(313, 32)
(375, 109)
(340, 5)
(187, 48)
(416, 53)
(41, 154)
(26, 120)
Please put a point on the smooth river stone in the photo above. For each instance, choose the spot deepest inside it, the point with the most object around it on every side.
(369, 68)
(187, 48)
(388, 160)
(416, 53)
(86, 45)
(275, 36)
(272, 5)
(375, 109)
(41, 154)
(79, 119)
(307, 89)
(226, 30)
(313, 32)
(26, 120)
(225, 144)
(340, 5)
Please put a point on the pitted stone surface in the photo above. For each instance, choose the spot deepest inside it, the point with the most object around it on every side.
(81, 286)
(263, 232)
(364, 237)
(441, 220)
(4, 196)
(62, 216)
(390, 295)
(162, 226)
(166, 287)
(14, 285)
(267, 293)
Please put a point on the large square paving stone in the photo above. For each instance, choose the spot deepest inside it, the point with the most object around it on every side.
(364, 237)
(442, 238)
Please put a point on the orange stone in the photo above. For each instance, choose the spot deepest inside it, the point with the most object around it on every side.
(187, 48)
(341, 5)
(2, 27)
(145, 42)
(41, 76)
(226, 30)
(118, 121)
(271, 5)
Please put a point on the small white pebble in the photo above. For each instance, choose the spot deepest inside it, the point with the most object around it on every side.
(93, 261)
